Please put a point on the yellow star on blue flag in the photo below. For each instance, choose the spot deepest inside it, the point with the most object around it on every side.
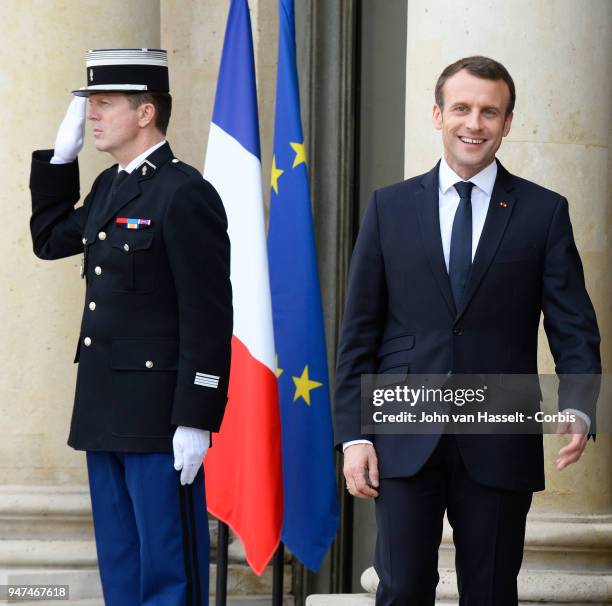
(300, 154)
(275, 176)
(304, 385)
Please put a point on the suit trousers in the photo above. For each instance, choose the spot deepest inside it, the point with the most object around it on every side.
(488, 531)
(151, 533)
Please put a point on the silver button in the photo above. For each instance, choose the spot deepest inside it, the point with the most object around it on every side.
(92, 305)
(98, 270)
(149, 364)
(126, 247)
(87, 341)
(102, 235)
(174, 160)
(84, 240)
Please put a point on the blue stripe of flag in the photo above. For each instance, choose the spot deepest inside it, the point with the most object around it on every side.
(237, 81)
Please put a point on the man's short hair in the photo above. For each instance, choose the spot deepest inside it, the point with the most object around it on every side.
(162, 103)
(481, 67)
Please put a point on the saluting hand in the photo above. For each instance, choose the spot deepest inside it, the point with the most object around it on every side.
(71, 133)
(190, 446)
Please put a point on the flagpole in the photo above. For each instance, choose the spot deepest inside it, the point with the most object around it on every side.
(277, 576)
(222, 544)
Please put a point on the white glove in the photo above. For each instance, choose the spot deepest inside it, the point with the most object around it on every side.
(71, 133)
(190, 446)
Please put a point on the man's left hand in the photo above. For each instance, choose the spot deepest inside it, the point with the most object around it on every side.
(190, 446)
(573, 450)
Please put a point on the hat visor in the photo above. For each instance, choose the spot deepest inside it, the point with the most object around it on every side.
(85, 91)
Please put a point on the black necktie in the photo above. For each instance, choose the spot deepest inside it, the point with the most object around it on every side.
(104, 207)
(120, 177)
(460, 258)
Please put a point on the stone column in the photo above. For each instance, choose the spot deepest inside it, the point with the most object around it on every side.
(193, 32)
(560, 57)
(43, 493)
(559, 53)
(45, 518)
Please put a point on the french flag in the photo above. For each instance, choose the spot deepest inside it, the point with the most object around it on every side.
(244, 465)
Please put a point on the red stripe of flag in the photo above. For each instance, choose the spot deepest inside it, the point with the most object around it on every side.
(246, 453)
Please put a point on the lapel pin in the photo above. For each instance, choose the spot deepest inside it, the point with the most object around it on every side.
(144, 170)
(503, 204)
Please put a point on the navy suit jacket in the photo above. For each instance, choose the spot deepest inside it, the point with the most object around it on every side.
(400, 315)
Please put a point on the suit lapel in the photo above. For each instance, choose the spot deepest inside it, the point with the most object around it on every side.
(428, 205)
(131, 187)
(500, 210)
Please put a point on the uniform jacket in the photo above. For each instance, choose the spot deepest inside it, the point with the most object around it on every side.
(154, 344)
(401, 318)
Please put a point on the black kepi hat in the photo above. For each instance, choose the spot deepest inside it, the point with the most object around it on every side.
(125, 70)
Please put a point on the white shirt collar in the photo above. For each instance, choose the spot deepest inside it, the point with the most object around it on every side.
(484, 180)
(136, 162)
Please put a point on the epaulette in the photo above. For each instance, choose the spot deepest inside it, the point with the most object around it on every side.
(185, 168)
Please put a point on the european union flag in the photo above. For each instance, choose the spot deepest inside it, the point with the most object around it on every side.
(311, 506)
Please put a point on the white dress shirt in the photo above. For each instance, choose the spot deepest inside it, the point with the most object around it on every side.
(137, 161)
(448, 200)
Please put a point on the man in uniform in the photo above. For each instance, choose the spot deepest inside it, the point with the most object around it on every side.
(450, 274)
(154, 346)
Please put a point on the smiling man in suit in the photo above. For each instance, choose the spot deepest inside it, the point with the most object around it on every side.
(154, 347)
(450, 274)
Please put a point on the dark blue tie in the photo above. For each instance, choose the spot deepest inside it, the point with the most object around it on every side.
(104, 206)
(460, 258)
(120, 177)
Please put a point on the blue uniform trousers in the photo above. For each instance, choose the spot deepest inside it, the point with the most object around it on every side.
(151, 532)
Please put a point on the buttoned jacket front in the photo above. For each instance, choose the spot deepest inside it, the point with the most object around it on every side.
(401, 318)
